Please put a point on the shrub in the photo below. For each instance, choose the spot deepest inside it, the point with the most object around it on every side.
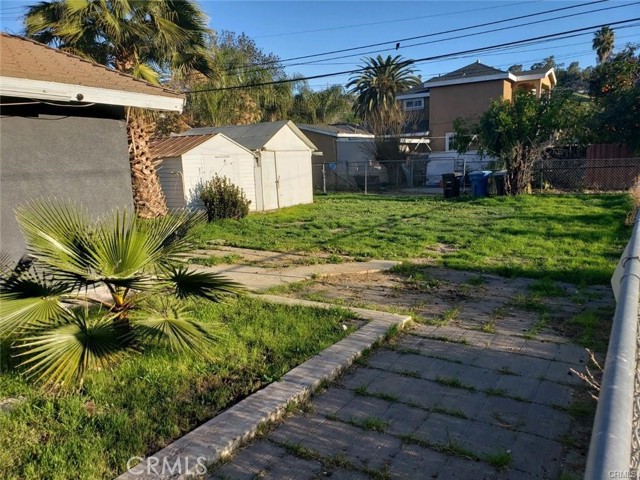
(223, 199)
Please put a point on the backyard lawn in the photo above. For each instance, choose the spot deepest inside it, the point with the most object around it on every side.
(574, 238)
(149, 400)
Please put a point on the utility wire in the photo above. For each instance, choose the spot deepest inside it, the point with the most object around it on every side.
(566, 34)
(394, 42)
(446, 14)
(470, 34)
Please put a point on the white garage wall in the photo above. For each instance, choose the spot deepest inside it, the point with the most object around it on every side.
(218, 156)
(170, 173)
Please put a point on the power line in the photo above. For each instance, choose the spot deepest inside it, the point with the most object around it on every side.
(394, 42)
(481, 33)
(446, 14)
(566, 34)
(254, 67)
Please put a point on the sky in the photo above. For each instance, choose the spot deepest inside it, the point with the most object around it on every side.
(291, 29)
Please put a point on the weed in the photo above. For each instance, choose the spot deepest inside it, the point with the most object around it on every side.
(453, 383)
(546, 287)
(410, 373)
(536, 328)
(448, 411)
(530, 303)
(496, 392)
(499, 460)
(476, 281)
(214, 260)
(489, 326)
(371, 423)
(581, 410)
(505, 370)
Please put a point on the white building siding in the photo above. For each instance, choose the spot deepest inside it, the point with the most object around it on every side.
(170, 173)
(217, 156)
(294, 177)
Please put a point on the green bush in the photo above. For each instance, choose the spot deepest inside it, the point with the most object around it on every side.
(223, 199)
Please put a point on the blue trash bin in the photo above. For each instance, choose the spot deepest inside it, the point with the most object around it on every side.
(479, 183)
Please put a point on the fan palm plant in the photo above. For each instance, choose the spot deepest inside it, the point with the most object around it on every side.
(114, 264)
(603, 41)
(146, 39)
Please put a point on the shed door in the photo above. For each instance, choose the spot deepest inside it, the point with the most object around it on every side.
(270, 180)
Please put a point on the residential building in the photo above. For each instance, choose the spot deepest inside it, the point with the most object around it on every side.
(347, 153)
(63, 132)
(465, 93)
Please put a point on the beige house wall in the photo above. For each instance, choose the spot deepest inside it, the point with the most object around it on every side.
(468, 101)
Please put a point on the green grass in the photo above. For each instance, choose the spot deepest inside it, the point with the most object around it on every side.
(214, 260)
(453, 383)
(571, 238)
(499, 460)
(147, 401)
(590, 326)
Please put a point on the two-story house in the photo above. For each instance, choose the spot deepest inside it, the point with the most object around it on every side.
(464, 93)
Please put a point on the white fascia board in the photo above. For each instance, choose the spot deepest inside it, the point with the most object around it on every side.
(355, 139)
(462, 80)
(411, 96)
(537, 76)
(64, 92)
(336, 134)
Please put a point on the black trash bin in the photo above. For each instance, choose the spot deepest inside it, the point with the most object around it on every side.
(498, 180)
(451, 184)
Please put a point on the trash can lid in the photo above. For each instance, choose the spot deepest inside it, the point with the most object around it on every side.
(480, 173)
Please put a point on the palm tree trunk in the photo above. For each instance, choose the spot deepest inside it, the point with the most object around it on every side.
(148, 198)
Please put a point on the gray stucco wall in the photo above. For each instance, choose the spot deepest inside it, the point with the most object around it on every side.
(80, 158)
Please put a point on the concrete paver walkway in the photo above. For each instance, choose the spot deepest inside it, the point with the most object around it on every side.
(440, 402)
(487, 394)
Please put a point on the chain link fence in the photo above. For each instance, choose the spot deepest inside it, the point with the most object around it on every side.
(423, 175)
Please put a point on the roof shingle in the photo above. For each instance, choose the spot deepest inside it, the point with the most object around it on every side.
(24, 58)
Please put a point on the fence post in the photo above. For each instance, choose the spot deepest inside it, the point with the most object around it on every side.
(324, 179)
(366, 177)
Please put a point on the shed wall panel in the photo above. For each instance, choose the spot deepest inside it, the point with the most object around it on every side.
(171, 175)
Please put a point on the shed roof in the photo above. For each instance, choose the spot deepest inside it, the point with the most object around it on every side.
(177, 145)
(342, 129)
(25, 60)
(253, 136)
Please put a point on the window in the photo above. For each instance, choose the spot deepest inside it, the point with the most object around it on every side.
(448, 141)
(415, 104)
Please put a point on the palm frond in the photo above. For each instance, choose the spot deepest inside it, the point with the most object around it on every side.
(30, 299)
(170, 324)
(191, 283)
(63, 354)
(57, 233)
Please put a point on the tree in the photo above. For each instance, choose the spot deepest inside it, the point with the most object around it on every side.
(136, 261)
(516, 68)
(331, 105)
(517, 132)
(376, 87)
(546, 64)
(145, 39)
(229, 97)
(603, 41)
(615, 88)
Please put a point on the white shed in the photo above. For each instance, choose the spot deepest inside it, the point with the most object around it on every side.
(186, 163)
(282, 173)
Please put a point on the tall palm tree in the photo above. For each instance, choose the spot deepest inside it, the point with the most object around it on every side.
(603, 41)
(376, 87)
(147, 39)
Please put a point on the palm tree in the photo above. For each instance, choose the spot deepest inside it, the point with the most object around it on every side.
(603, 41)
(376, 87)
(44, 301)
(146, 39)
